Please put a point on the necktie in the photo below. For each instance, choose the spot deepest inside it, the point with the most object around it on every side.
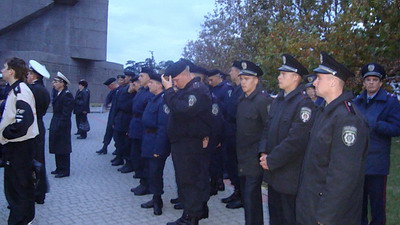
(369, 99)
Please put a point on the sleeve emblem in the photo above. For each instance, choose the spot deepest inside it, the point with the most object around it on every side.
(305, 114)
(349, 135)
(215, 109)
(166, 109)
(192, 100)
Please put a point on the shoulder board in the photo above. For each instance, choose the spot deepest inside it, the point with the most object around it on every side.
(349, 107)
(391, 94)
(265, 93)
(67, 91)
(196, 84)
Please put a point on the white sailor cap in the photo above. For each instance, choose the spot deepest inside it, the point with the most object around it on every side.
(39, 69)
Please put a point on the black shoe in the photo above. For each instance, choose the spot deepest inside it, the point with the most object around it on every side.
(213, 187)
(220, 185)
(127, 168)
(39, 201)
(114, 152)
(118, 162)
(234, 204)
(135, 176)
(141, 190)
(174, 200)
(77, 133)
(205, 212)
(61, 175)
(157, 205)
(115, 158)
(147, 205)
(234, 196)
(185, 219)
(54, 172)
(178, 206)
(102, 151)
(80, 137)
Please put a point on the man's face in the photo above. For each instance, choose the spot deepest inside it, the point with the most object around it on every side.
(154, 86)
(248, 83)
(323, 84)
(214, 80)
(287, 80)
(144, 79)
(234, 73)
(121, 81)
(311, 92)
(58, 84)
(31, 77)
(181, 80)
(372, 84)
(8, 73)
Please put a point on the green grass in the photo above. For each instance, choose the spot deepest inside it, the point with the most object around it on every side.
(393, 186)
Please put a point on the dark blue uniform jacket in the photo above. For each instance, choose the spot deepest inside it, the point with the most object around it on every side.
(138, 105)
(155, 119)
(383, 116)
(123, 109)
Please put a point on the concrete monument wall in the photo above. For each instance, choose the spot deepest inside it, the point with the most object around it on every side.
(69, 36)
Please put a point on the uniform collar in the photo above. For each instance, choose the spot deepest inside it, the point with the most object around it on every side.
(293, 93)
(345, 96)
(258, 89)
(191, 82)
(379, 96)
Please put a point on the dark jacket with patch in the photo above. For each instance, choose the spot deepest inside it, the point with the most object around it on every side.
(383, 116)
(155, 120)
(82, 101)
(190, 109)
(332, 177)
(139, 104)
(123, 109)
(60, 125)
(285, 139)
(252, 113)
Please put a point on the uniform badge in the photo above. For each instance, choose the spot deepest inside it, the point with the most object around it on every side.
(215, 109)
(305, 114)
(321, 58)
(192, 100)
(229, 93)
(166, 109)
(349, 135)
(244, 65)
(310, 79)
(371, 67)
(284, 59)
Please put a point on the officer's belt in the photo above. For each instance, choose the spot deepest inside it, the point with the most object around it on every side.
(151, 131)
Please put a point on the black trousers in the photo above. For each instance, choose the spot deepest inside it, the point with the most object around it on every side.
(191, 164)
(250, 187)
(80, 118)
(216, 166)
(42, 186)
(108, 135)
(155, 172)
(18, 181)
(63, 163)
(375, 195)
(282, 207)
(121, 144)
(230, 160)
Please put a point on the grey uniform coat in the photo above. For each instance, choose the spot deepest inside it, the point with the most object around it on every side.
(332, 178)
(251, 115)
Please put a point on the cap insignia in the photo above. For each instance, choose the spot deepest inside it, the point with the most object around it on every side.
(244, 65)
(371, 67)
(284, 59)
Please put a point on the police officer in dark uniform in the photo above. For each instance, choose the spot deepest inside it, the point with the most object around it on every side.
(222, 90)
(189, 128)
(382, 112)
(155, 144)
(122, 114)
(332, 177)
(60, 126)
(42, 101)
(284, 141)
(82, 108)
(309, 89)
(136, 131)
(252, 113)
(113, 86)
(233, 201)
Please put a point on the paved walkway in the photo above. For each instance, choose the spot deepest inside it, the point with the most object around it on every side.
(96, 193)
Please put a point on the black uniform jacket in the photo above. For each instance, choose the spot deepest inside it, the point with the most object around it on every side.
(60, 125)
(42, 98)
(285, 139)
(251, 116)
(332, 179)
(190, 109)
(82, 101)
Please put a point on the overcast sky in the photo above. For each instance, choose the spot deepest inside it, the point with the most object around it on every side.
(164, 26)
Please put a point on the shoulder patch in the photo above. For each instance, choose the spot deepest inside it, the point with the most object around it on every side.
(196, 84)
(229, 93)
(349, 135)
(166, 109)
(305, 114)
(349, 107)
(17, 89)
(192, 100)
(215, 109)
